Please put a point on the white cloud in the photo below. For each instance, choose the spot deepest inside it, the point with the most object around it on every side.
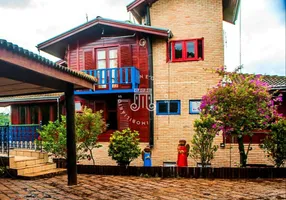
(45, 19)
(263, 40)
(29, 22)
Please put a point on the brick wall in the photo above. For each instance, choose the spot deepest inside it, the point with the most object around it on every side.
(188, 19)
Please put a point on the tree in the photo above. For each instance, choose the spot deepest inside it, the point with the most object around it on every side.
(275, 142)
(240, 104)
(202, 143)
(88, 126)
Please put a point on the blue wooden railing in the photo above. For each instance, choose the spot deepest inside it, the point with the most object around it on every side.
(110, 79)
(18, 136)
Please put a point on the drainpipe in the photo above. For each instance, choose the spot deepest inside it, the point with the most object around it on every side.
(150, 73)
(58, 108)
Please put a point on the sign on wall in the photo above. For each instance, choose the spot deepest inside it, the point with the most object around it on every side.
(194, 107)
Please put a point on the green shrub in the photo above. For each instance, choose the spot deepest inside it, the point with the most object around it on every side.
(275, 143)
(202, 143)
(124, 146)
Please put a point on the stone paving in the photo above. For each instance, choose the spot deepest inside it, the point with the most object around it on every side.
(123, 187)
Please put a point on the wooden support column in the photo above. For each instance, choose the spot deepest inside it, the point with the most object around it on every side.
(71, 142)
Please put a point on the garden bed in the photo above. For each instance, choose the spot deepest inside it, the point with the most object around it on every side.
(184, 172)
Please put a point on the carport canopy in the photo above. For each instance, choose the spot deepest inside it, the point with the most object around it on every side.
(23, 72)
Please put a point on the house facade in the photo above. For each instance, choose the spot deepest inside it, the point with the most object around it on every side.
(151, 75)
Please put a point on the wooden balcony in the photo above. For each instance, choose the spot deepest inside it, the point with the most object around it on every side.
(113, 80)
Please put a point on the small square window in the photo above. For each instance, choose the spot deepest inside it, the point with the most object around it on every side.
(168, 107)
(194, 107)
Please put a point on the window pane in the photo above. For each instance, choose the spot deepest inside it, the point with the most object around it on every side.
(190, 49)
(178, 50)
(101, 54)
(101, 64)
(174, 107)
(78, 106)
(113, 63)
(163, 107)
(113, 53)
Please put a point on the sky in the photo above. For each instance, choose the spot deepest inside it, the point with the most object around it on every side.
(30, 22)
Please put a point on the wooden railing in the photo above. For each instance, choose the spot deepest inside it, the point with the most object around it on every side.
(111, 79)
(18, 136)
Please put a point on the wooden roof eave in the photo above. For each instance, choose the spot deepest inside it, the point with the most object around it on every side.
(40, 68)
(44, 46)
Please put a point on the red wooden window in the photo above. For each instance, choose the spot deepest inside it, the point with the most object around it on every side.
(185, 50)
(107, 58)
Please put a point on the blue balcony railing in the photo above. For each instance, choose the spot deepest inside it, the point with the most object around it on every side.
(114, 80)
(18, 136)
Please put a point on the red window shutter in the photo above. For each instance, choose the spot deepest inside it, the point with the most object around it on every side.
(123, 113)
(125, 56)
(88, 60)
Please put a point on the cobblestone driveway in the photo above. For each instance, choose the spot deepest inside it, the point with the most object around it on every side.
(119, 187)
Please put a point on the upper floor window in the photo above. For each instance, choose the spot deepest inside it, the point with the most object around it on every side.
(185, 50)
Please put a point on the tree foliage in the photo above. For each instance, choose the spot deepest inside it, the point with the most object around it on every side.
(4, 119)
(275, 143)
(240, 104)
(88, 126)
(124, 146)
(202, 147)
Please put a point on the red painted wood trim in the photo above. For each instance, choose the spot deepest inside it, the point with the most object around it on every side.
(184, 50)
(134, 4)
(77, 58)
(68, 58)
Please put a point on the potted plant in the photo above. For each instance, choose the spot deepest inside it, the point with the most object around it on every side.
(202, 143)
(124, 146)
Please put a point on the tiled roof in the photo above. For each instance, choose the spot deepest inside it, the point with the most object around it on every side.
(276, 82)
(36, 97)
(37, 58)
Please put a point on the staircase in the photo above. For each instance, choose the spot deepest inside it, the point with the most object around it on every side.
(31, 164)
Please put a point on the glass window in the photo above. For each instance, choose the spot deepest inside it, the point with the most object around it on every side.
(168, 107)
(78, 106)
(100, 54)
(178, 50)
(163, 107)
(190, 49)
(174, 107)
(112, 53)
(187, 50)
